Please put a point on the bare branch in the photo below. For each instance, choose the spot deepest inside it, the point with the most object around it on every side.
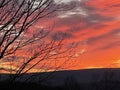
(16, 19)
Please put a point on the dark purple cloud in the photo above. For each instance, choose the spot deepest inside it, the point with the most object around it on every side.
(99, 26)
(61, 35)
(84, 16)
(111, 45)
(104, 36)
(114, 34)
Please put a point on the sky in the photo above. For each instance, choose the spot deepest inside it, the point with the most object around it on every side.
(95, 26)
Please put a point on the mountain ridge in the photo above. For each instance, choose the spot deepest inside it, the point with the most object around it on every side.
(59, 78)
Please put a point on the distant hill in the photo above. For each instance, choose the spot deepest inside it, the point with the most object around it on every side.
(83, 76)
(59, 78)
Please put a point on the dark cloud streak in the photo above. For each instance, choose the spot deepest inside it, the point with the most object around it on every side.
(61, 35)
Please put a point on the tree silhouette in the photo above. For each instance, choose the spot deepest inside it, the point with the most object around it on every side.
(16, 19)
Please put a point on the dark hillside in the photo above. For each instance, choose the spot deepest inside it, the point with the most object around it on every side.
(91, 79)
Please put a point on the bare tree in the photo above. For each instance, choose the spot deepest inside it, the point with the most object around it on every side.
(16, 19)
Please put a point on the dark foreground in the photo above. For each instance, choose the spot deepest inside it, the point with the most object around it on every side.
(95, 79)
(32, 86)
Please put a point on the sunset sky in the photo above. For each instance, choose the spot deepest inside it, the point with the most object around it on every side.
(94, 25)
